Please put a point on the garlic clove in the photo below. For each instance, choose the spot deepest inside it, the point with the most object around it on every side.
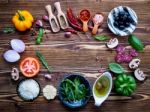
(139, 75)
(112, 43)
(11, 56)
(17, 45)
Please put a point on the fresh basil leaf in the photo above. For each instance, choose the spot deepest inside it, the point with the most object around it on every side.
(116, 68)
(101, 38)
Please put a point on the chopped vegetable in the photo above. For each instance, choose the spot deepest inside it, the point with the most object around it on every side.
(22, 20)
(101, 38)
(49, 92)
(134, 63)
(116, 68)
(136, 43)
(43, 61)
(11, 56)
(125, 84)
(15, 74)
(139, 75)
(40, 35)
(73, 90)
(112, 43)
(124, 55)
(17, 45)
(30, 67)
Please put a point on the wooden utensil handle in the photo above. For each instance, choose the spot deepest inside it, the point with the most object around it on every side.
(94, 31)
(85, 26)
(57, 5)
(49, 10)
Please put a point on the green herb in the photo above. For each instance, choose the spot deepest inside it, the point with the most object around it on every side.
(116, 68)
(8, 30)
(136, 43)
(73, 90)
(42, 59)
(40, 35)
(101, 38)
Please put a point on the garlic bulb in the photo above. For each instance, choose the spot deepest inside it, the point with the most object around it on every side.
(49, 92)
(11, 56)
(17, 45)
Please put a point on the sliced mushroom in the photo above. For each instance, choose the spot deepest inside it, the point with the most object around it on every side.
(139, 75)
(15, 74)
(112, 43)
(134, 63)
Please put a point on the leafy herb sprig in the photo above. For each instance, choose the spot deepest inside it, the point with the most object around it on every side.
(73, 90)
(43, 61)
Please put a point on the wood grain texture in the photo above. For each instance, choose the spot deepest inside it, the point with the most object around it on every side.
(74, 54)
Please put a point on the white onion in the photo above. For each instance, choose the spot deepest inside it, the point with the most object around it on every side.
(11, 56)
(17, 45)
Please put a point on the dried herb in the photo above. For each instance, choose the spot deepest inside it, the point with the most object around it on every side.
(43, 61)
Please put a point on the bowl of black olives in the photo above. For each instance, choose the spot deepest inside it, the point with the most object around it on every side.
(122, 20)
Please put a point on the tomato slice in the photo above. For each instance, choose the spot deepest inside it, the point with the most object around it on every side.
(29, 67)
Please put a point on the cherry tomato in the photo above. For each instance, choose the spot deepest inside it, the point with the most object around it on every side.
(29, 67)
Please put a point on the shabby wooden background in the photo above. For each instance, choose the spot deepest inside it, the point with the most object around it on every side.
(75, 54)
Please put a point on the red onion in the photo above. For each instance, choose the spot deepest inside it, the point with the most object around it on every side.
(45, 18)
(39, 23)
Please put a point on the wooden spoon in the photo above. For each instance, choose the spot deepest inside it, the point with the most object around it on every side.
(85, 17)
(97, 20)
(61, 16)
(52, 19)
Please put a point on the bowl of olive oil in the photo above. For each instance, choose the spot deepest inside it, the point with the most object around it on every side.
(102, 88)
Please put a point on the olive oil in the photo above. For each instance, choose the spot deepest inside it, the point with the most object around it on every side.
(102, 86)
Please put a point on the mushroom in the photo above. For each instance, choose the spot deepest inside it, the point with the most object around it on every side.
(15, 74)
(139, 75)
(112, 43)
(134, 63)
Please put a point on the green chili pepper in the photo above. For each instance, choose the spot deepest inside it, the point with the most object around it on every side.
(40, 35)
(125, 84)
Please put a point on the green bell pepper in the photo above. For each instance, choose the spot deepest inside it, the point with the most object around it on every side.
(125, 84)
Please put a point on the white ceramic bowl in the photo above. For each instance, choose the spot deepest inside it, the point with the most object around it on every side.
(126, 30)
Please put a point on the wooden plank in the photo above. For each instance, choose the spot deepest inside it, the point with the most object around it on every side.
(75, 54)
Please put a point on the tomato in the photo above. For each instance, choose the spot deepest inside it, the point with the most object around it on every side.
(29, 67)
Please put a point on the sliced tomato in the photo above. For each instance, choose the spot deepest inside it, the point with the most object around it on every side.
(29, 67)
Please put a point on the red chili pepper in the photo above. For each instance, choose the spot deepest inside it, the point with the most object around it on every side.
(73, 20)
(71, 30)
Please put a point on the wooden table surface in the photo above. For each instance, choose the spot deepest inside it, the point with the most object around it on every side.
(74, 54)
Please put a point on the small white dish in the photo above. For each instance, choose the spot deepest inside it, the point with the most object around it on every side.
(125, 23)
(99, 98)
